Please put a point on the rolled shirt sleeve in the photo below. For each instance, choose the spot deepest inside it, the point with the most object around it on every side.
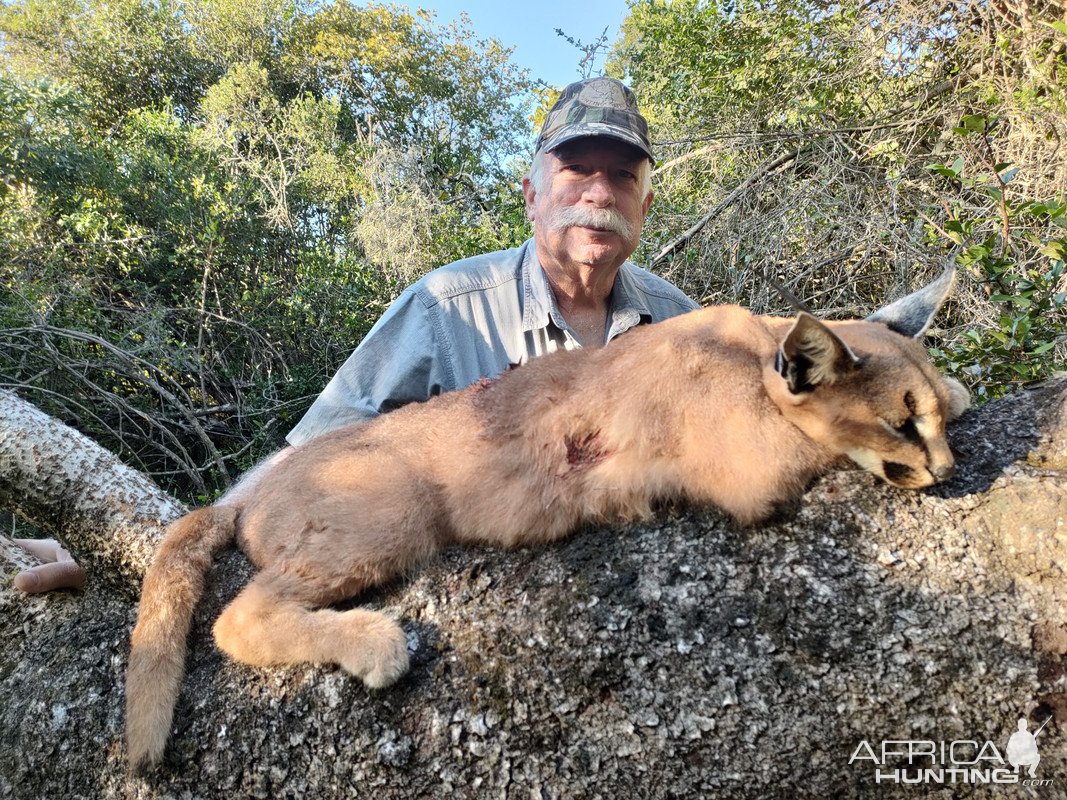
(399, 361)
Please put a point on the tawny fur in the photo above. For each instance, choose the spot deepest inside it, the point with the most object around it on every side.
(690, 408)
(174, 585)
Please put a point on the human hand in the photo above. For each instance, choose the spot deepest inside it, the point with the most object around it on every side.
(59, 570)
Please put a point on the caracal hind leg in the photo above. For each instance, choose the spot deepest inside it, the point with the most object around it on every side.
(274, 620)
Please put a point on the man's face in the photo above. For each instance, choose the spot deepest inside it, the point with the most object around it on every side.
(590, 206)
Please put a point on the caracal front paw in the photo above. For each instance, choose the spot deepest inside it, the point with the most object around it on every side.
(377, 650)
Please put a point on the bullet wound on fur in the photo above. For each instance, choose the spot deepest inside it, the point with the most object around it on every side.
(585, 451)
(730, 430)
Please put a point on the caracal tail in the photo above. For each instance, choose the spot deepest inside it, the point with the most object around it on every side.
(172, 588)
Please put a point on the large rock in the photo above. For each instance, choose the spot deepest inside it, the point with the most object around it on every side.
(678, 658)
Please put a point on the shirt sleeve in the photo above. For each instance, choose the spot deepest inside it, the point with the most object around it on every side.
(400, 361)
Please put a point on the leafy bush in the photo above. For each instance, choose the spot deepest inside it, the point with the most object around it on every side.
(196, 230)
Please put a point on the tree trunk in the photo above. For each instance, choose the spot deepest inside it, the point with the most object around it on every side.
(678, 658)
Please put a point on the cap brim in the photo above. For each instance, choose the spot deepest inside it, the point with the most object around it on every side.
(586, 130)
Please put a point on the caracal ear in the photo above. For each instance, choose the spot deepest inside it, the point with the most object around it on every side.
(812, 355)
(911, 316)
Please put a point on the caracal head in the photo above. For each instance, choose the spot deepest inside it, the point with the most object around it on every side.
(866, 389)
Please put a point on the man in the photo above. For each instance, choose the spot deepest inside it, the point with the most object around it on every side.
(587, 194)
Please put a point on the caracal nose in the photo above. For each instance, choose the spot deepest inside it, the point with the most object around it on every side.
(943, 471)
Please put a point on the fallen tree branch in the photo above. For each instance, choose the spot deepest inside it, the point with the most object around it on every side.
(108, 515)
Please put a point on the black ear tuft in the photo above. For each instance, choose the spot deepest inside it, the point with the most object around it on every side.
(911, 316)
(812, 355)
(795, 371)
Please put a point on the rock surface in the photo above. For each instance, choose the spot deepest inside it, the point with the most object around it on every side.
(677, 658)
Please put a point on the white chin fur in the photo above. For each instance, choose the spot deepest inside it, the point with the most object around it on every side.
(868, 460)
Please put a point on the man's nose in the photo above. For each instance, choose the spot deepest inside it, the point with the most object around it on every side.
(599, 190)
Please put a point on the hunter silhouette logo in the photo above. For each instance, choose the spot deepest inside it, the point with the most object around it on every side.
(1022, 747)
(925, 762)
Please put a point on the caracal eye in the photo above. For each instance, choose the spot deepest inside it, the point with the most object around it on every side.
(909, 430)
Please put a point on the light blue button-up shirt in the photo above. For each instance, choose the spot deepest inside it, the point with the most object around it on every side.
(466, 321)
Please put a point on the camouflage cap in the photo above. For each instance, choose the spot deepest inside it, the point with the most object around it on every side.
(595, 107)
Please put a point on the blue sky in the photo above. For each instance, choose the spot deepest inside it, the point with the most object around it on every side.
(531, 29)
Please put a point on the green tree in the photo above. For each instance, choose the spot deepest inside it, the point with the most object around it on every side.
(120, 54)
(206, 205)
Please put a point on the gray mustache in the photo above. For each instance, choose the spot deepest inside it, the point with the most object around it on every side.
(608, 219)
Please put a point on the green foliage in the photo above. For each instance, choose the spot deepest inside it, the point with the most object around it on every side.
(742, 56)
(205, 205)
(120, 54)
(1026, 287)
(798, 136)
(1019, 348)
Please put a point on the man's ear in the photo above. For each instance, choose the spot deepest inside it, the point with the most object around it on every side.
(812, 355)
(911, 316)
(648, 203)
(530, 195)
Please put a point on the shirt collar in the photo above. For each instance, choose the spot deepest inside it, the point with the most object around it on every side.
(538, 304)
(628, 306)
